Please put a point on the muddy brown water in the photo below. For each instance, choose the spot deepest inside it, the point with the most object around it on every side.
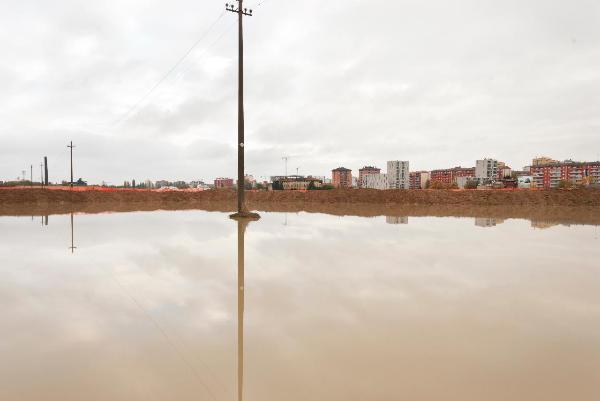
(156, 306)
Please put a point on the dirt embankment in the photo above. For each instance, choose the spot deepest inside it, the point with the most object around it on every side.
(576, 206)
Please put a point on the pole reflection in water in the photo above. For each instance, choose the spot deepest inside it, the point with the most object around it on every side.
(242, 223)
(72, 247)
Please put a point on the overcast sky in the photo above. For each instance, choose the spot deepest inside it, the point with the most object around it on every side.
(329, 83)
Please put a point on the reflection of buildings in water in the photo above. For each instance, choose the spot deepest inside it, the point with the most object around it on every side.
(487, 221)
(396, 219)
(543, 224)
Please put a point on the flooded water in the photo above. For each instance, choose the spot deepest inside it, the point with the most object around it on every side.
(154, 306)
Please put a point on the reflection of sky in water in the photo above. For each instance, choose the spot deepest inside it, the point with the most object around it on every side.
(336, 308)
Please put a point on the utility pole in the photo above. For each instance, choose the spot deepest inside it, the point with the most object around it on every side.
(241, 12)
(31, 175)
(71, 146)
(42, 174)
(45, 171)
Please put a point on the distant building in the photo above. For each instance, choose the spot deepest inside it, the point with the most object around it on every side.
(375, 181)
(162, 183)
(547, 176)
(464, 182)
(487, 169)
(524, 181)
(223, 183)
(542, 161)
(366, 171)
(418, 179)
(296, 183)
(398, 174)
(341, 177)
(504, 171)
(449, 176)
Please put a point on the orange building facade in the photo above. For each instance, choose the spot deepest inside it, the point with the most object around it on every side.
(341, 177)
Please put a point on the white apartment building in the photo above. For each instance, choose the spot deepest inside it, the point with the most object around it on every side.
(398, 175)
(487, 169)
(375, 181)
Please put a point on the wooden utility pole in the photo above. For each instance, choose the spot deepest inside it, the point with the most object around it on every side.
(71, 146)
(241, 203)
(46, 171)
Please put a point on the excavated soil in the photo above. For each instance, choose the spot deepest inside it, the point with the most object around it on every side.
(580, 206)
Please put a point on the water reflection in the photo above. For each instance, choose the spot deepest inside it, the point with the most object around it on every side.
(396, 220)
(487, 222)
(241, 231)
(72, 247)
(154, 311)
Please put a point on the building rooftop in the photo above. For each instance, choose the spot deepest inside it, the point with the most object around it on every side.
(341, 169)
(566, 163)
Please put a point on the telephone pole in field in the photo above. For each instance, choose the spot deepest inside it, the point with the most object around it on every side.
(71, 146)
(242, 211)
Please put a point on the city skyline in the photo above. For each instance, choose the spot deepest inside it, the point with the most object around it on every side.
(347, 84)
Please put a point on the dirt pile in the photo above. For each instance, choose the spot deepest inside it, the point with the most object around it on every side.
(575, 206)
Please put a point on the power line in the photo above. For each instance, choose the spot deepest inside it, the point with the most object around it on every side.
(127, 114)
(169, 72)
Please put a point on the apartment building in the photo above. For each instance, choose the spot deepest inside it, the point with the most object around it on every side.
(366, 171)
(341, 177)
(547, 176)
(398, 174)
(487, 169)
(375, 181)
(449, 176)
(418, 179)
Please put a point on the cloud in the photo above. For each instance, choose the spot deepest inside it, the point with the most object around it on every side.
(358, 82)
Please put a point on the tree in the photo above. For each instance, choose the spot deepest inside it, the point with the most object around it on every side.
(471, 184)
(565, 184)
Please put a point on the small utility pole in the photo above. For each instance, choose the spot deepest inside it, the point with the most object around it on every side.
(31, 175)
(241, 204)
(46, 171)
(71, 146)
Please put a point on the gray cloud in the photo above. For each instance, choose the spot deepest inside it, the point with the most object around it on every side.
(353, 83)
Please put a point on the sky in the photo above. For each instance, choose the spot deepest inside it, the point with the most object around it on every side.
(329, 84)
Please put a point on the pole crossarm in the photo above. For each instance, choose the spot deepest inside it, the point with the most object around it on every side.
(245, 11)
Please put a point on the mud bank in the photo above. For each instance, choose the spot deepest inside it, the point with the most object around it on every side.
(563, 207)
